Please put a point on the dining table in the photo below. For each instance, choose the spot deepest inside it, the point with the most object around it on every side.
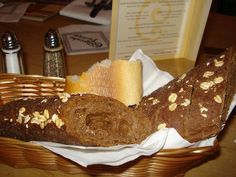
(219, 33)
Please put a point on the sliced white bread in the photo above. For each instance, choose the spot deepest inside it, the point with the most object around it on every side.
(119, 79)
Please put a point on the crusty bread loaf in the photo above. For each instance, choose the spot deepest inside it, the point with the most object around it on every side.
(119, 79)
(197, 102)
(74, 119)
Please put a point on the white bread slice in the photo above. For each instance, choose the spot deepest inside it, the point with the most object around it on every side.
(119, 79)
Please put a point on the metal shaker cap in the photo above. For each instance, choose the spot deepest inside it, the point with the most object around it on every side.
(9, 41)
(52, 39)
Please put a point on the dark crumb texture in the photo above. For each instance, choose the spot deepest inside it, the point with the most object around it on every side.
(196, 104)
(88, 120)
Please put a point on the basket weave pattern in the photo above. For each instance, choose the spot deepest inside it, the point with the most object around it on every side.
(14, 86)
(171, 162)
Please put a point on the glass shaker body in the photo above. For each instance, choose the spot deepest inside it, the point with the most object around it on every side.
(54, 64)
(12, 56)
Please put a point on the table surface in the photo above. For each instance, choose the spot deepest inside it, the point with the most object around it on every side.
(219, 33)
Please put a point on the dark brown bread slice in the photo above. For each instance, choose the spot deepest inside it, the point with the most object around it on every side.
(104, 121)
(78, 119)
(170, 104)
(193, 111)
(212, 95)
(28, 120)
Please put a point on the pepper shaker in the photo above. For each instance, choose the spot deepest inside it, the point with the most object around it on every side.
(54, 63)
(12, 58)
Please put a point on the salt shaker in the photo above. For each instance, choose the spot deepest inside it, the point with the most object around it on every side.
(54, 63)
(12, 58)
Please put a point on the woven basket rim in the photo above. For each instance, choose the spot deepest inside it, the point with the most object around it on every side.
(159, 163)
(28, 75)
(162, 152)
(24, 76)
(29, 155)
(62, 80)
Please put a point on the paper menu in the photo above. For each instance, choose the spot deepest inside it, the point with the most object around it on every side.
(163, 29)
(83, 39)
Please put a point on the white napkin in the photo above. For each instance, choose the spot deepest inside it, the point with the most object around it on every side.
(153, 78)
(113, 156)
(117, 155)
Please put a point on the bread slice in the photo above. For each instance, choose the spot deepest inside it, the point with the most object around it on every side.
(169, 104)
(119, 79)
(196, 103)
(80, 119)
(212, 95)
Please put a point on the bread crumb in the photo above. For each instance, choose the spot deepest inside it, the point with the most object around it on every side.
(155, 101)
(207, 74)
(161, 126)
(104, 63)
(151, 98)
(203, 109)
(181, 90)
(206, 85)
(181, 77)
(172, 97)
(172, 107)
(186, 102)
(218, 99)
(44, 101)
(222, 56)
(218, 80)
(64, 96)
(218, 63)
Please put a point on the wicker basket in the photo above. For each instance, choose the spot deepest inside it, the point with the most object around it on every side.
(19, 154)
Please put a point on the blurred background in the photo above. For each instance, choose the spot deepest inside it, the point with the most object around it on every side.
(226, 7)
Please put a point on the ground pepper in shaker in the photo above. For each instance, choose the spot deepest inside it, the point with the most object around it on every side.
(12, 58)
(54, 63)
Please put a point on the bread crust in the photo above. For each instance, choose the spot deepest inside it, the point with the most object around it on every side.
(87, 119)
